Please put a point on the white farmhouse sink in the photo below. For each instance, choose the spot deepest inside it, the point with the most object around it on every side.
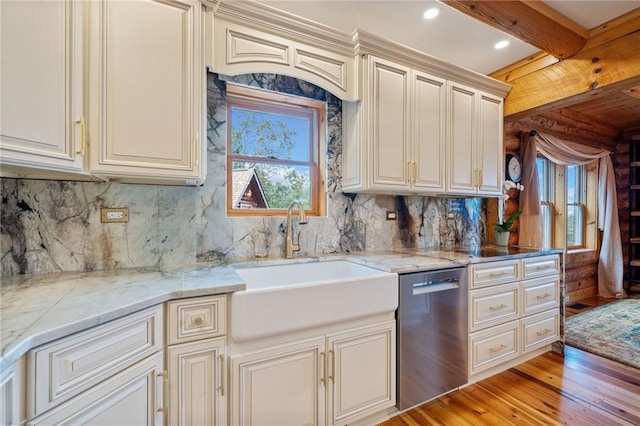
(294, 296)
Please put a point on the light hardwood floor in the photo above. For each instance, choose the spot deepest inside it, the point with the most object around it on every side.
(589, 303)
(579, 389)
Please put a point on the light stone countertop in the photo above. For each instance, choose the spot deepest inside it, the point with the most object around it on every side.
(38, 309)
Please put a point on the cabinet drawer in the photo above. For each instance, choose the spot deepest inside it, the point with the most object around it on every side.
(486, 274)
(131, 397)
(493, 346)
(540, 329)
(538, 266)
(197, 318)
(62, 369)
(540, 294)
(493, 306)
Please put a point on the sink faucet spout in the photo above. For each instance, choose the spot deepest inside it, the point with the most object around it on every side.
(290, 246)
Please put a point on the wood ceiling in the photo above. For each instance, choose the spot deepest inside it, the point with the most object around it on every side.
(584, 84)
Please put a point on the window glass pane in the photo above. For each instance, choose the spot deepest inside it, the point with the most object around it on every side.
(263, 134)
(543, 178)
(545, 213)
(261, 185)
(573, 184)
(574, 226)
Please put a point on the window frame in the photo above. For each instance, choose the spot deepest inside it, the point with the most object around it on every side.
(581, 196)
(558, 203)
(295, 106)
(549, 203)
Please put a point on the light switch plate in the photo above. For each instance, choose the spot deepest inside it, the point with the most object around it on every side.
(114, 215)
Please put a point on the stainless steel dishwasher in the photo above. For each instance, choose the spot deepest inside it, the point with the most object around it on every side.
(432, 335)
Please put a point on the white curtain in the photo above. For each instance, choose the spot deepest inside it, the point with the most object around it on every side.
(610, 266)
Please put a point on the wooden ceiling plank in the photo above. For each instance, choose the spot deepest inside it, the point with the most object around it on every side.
(524, 22)
(616, 28)
(561, 19)
(524, 67)
(611, 30)
(586, 72)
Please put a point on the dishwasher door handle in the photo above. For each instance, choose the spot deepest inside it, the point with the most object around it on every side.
(424, 288)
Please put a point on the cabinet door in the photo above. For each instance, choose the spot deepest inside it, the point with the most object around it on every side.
(197, 393)
(428, 131)
(490, 148)
(146, 89)
(41, 86)
(132, 397)
(280, 386)
(361, 372)
(387, 128)
(12, 394)
(463, 171)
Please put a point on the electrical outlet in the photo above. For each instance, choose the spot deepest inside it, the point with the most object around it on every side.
(114, 215)
(391, 215)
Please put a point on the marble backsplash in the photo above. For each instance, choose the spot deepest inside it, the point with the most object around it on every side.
(54, 226)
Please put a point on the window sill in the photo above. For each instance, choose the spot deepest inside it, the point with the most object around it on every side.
(580, 250)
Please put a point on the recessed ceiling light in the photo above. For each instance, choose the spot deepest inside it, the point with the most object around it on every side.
(501, 44)
(431, 13)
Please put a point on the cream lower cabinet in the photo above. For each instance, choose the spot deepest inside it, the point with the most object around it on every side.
(147, 90)
(131, 397)
(41, 84)
(394, 139)
(12, 394)
(514, 312)
(196, 361)
(474, 139)
(110, 374)
(329, 380)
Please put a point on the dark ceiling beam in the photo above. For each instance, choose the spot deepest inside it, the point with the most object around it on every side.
(530, 21)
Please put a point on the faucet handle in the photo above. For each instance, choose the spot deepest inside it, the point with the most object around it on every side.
(298, 240)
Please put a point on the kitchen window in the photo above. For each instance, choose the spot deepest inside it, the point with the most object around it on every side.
(275, 152)
(568, 204)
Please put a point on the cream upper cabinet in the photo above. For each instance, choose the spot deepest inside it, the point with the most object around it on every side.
(490, 152)
(250, 37)
(146, 90)
(462, 168)
(394, 139)
(428, 127)
(474, 140)
(41, 85)
(385, 128)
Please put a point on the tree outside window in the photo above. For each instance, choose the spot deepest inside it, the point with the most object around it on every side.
(273, 155)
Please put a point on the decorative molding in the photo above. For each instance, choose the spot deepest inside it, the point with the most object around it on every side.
(269, 20)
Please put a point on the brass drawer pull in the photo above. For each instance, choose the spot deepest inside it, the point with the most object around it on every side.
(544, 296)
(497, 274)
(497, 348)
(543, 332)
(496, 308)
(197, 321)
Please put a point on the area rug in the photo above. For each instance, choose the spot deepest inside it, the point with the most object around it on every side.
(611, 331)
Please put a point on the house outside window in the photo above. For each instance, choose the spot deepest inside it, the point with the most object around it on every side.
(568, 204)
(275, 152)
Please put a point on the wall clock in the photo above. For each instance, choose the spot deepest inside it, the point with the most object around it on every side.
(514, 168)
